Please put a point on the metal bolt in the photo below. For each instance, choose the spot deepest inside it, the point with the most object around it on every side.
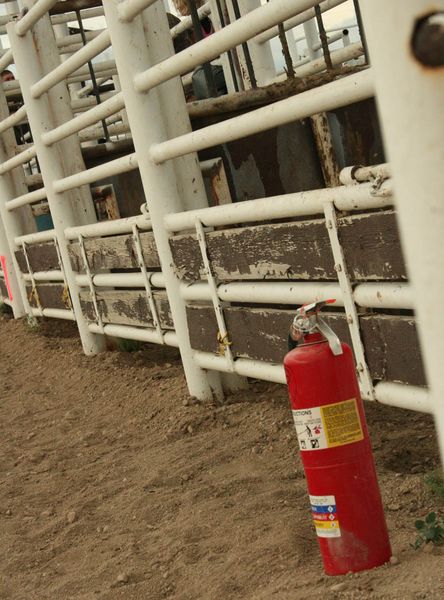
(359, 368)
(329, 224)
(349, 319)
(338, 268)
(428, 40)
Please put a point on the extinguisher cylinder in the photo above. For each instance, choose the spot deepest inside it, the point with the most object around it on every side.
(336, 453)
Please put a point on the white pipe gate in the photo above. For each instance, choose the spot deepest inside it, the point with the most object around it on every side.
(148, 104)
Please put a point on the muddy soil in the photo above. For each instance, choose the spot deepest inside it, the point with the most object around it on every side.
(114, 484)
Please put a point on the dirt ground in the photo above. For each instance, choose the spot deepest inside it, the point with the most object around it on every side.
(115, 485)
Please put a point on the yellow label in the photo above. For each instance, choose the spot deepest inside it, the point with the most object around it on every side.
(342, 423)
(326, 524)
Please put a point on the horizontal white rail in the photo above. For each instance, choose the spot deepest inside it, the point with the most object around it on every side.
(17, 160)
(6, 60)
(39, 237)
(336, 94)
(112, 167)
(115, 227)
(54, 313)
(358, 174)
(35, 13)
(310, 67)
(228, 37)
(298, 20)
(367, 295)
(297, 204)
(400, 395)
(91, 116)
(136, 333)
(69, 40)
(44, 276)
(25, 199)
(128, 9)
(71, 64)
(13, 119)
(393, 394)
(187, 22)
(125, 280)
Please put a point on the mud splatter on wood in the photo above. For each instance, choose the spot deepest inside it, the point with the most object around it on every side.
(127, 307)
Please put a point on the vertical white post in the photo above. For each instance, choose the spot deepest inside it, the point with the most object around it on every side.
(17, 222)
(148, 126)
(217, 24)
(408, 64)
(261, 55)
(175, 115)
(312, 38)
(33, 53)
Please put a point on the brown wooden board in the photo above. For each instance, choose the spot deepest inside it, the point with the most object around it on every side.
(262, 334)
(51, 295)
(296, 250)
(3, 289)
(114, 252)
(127, 307)
(42, 257)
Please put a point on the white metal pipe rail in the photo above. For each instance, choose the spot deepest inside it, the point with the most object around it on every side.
(336, 94)
(36, 12)
(91, 116)
(366, 295)
(71, 64)
(44, 276)
(310, 67)
(17, 160)
(102, 228)
(112, 167)
(39, 237)
(6, 60)
(13, 119)
(137, 333)
(25, 199)
(298, 20)
(187, 22)
(301, 204)
(211, 47)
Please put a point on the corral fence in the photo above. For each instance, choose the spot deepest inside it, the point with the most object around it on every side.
(203, 224)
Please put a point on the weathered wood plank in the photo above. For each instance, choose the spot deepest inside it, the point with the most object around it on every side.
(114, 252)
(42, 257)
(3, 289)
(127, 307)
(296, 250)
(51, 295)
(261, 334)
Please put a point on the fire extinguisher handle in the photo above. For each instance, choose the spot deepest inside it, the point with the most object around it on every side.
(331, 337)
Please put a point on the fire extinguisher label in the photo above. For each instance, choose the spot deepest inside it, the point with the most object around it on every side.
(325, 518)
(328, 426)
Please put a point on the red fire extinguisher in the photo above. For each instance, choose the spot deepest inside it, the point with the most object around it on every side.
(335, 448)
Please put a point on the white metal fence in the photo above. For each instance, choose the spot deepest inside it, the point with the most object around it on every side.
(147, 103)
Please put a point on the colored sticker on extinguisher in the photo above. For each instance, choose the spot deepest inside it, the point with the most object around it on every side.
(322, 427)
(325, 518)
